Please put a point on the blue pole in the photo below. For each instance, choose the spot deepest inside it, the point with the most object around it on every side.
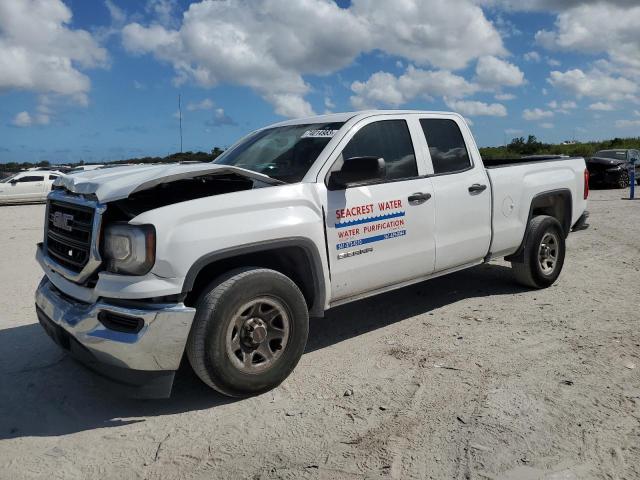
(632, 177)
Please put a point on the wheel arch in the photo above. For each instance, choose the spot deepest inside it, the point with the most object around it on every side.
(297, 258)
(554, 203)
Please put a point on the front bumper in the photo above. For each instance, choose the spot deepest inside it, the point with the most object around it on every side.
(143, 362)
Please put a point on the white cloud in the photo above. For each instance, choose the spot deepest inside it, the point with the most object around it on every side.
(473, 108)
(429, 32)
(163, 11)
(269, 45)
(536, 114)
(22, 119)
(552, 5)
(494, 72)
(328, 103)
(504, 96)
(205, 104)
(547, 125)
(602, 106)
(562, 107)
(513, 131)
(598, 27)
(40, 52)
(118, 16)
(384, 88)
(220, 119)
(553, 62)
(594, 84)
(532, 56)
(636, 113)
(25, 119)
(628, 123)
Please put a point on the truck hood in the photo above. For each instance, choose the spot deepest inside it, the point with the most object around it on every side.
(116, 183)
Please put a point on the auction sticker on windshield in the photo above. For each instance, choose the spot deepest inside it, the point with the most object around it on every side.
(319, 133)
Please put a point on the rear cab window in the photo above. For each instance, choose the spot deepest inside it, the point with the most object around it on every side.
(446, 144)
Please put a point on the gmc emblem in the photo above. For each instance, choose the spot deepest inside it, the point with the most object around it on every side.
(62, 220)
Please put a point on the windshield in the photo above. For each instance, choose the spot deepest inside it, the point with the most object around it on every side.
(284, 153)
(8, 179)
(617, 154)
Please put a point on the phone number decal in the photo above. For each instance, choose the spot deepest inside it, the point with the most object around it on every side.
(376, 238)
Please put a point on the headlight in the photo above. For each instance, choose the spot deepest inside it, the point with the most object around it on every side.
(130, 249)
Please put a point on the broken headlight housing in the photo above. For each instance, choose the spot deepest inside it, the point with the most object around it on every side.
(129, 249)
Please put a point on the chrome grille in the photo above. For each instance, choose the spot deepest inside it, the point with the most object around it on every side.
(69, 234)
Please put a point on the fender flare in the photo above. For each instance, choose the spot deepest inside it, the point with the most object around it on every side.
(517, 256)
(307, 246)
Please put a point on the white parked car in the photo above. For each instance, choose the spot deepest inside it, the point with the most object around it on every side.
(27, 187)
(225, 262)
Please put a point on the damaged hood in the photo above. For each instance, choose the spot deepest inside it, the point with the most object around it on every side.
(119, 182)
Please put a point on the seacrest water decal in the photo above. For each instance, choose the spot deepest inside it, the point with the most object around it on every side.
(355, 224)
(376, 238)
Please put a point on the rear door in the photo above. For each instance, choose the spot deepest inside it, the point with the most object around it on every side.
(381, 233)
(462, 193)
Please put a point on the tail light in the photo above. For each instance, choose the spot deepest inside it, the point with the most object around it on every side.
(586, 183)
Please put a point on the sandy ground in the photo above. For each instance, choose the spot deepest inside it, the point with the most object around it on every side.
(466, 376)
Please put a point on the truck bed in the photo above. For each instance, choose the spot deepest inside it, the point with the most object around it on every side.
(514, 188)
(507, 162)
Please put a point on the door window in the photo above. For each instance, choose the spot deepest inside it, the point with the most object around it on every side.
(30, 178)
(53, 177)
(446, 146)
(388, 139)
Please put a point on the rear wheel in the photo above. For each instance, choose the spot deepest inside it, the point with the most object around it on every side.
(544, 252)
(249, 332)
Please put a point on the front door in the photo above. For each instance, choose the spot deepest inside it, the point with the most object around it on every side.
(380, 234)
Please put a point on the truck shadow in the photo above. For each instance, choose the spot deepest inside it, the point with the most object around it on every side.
(43, 392)
(363, 316)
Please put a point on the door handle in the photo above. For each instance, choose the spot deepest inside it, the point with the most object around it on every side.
(477, 188)
(418, 198)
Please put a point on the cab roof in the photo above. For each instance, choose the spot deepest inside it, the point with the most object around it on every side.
(346, 116)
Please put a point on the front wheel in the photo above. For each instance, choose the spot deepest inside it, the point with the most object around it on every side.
(249, 332)
(623, 180)
(544, 252)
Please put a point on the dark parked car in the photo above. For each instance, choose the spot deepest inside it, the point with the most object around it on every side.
(611, 167)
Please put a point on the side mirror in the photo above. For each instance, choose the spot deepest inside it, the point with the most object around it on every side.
(357, 170)
(13, 182)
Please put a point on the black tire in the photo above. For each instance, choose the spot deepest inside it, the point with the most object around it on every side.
(210, 345)
(623, 180)
(535, 271)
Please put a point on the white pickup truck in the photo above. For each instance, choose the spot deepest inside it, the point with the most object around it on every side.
(227, 261)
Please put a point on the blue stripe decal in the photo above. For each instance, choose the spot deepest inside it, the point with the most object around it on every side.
(369, 220)
(377, 238)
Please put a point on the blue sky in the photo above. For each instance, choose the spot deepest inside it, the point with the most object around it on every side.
(98, 80)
